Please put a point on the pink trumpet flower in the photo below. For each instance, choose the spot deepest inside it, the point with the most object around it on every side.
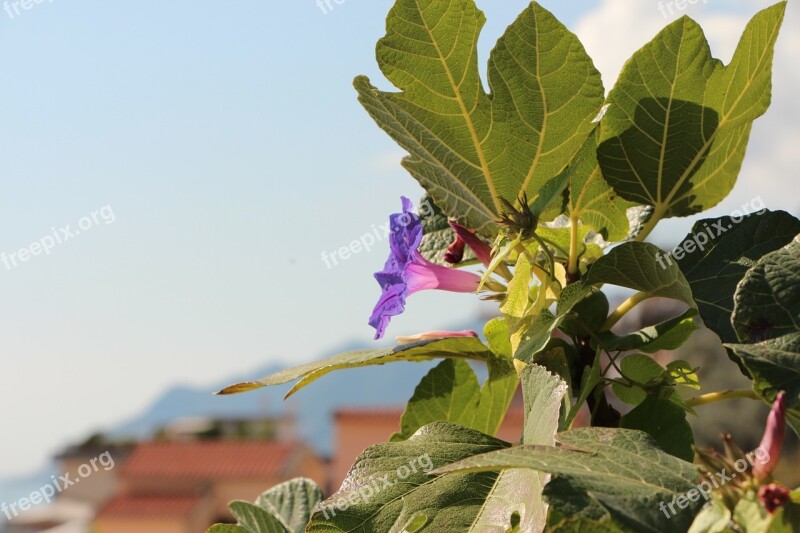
(772, 441)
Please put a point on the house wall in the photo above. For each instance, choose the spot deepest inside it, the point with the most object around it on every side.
(150, 525)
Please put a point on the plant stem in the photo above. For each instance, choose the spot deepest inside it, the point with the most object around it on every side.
(623, 309)
(713, 397)
(572, 265)
(655, 218)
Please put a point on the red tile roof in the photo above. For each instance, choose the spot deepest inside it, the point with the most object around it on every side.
(366, 414)
(128, 505)
(210, 460)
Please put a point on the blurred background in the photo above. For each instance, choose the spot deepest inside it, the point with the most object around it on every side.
(192, 163)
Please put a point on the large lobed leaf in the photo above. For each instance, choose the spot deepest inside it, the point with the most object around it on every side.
(468, 148)
(679, 120)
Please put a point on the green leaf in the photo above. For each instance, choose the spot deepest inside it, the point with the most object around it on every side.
(750, 514)
(456, 348)
(683, 373)
(717, 253)
(592, 201)
(543, 393)
(389, 487)
(713, 518)
(622, 470)
(518, 295)
(767, 300)
(450, 393)
(667, 335)
(591, 313)
(255, 519)
(559, 237)
(635, 265)
(679, 120)
(590, 379)
(774, 366)
(468, 148)
(666, 423)
(291, 503)
(227, 528)
(642, 369)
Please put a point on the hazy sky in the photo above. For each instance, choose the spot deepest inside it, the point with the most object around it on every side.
(225, 142)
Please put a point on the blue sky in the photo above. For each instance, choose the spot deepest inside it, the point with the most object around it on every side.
(227, 140)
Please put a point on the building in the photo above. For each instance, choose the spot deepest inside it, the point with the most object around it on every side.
(185, 486)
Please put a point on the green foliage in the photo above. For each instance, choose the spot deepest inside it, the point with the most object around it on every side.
(534, 167)
(469, 148)
(458, 348)
(285, 508)
(621, 470)
(679, 120)
(715, 271)
(450, 392)
(635, 265)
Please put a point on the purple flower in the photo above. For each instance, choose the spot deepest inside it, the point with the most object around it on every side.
(407, 272)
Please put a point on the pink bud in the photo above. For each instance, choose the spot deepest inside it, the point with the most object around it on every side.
(455, 252)
(773, 496)
(431, 335)
(772, 441)
(481, 250)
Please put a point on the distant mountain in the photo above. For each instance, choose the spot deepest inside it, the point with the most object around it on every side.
(389, 385)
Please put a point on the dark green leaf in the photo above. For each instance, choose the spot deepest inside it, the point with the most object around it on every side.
(666, 423)
(437, 235)
(592, 201)
(667, 335)
(767, 300)
(718, 252)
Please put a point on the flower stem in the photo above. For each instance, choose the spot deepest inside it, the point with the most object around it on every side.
(713, 397)
(623, 309)
(572, 264)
